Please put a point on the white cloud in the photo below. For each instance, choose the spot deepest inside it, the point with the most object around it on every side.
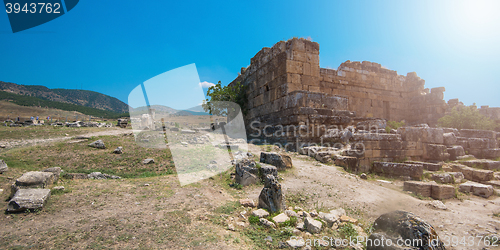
(206, 84)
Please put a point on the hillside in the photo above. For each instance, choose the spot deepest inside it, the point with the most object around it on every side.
(30, 101)
(85, 98)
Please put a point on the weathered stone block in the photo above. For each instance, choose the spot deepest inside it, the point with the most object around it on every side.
(442, 192)
(271, 196)
(427, 165)
(423, 134)
(435, 152)
(449, 139)
(281, 161)
(472, 174)
(415, 171)
(492, 153)
(478, 143)
(478, 189)
(375, 137)
(417, 187)
(483, 164)
(348, 163)
(28, 199)
(475, 133)
(455, 152)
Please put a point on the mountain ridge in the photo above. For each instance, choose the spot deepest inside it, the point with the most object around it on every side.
(85, 98)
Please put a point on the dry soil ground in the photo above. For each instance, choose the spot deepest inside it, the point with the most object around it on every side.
(152, 211)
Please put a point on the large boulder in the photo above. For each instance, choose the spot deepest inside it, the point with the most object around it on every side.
(281, 161)
(406, 226)
(97, 144)
(3, 166)
(28, 199)
(271, 197)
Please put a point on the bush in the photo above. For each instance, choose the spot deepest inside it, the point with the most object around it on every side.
(466, 117)
(393, 125)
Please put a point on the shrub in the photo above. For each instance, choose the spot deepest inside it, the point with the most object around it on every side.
(466, 117)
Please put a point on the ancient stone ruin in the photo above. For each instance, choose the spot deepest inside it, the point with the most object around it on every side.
(341, 115)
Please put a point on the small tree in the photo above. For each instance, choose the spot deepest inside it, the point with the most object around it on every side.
(466, 117)
(219, 96)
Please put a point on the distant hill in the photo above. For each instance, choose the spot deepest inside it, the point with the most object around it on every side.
(30, 101)
(198, 110)
(85, 98)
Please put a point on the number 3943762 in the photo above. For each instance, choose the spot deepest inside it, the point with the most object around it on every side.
(33, 8)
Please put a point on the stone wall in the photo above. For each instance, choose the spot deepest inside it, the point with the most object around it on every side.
(290, 71)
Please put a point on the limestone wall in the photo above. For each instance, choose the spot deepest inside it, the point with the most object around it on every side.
(371, 90)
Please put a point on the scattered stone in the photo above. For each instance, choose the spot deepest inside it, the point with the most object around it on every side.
(269, 238)
(58, 188)
(188, 131)
(3, 166)
(291, 213)
(338, 212)
(295, 243)
(148, 161)
(54, 170)
(313, 213)
(267, 223)
(300, 226)
(271, 196)
(407, 226)
(230, 226)
(212, 167)
(28, 199)
(246, 173)
(475, 188)
(281, 161)
(328, 218)
(345, 218)
(313, 226)
(247, 203)
(280, 218)
(438, 205)
(98, 144)
(75, 176)
(261, 213)
(118, 150)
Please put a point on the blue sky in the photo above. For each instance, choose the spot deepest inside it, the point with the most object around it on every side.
(113, 46)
